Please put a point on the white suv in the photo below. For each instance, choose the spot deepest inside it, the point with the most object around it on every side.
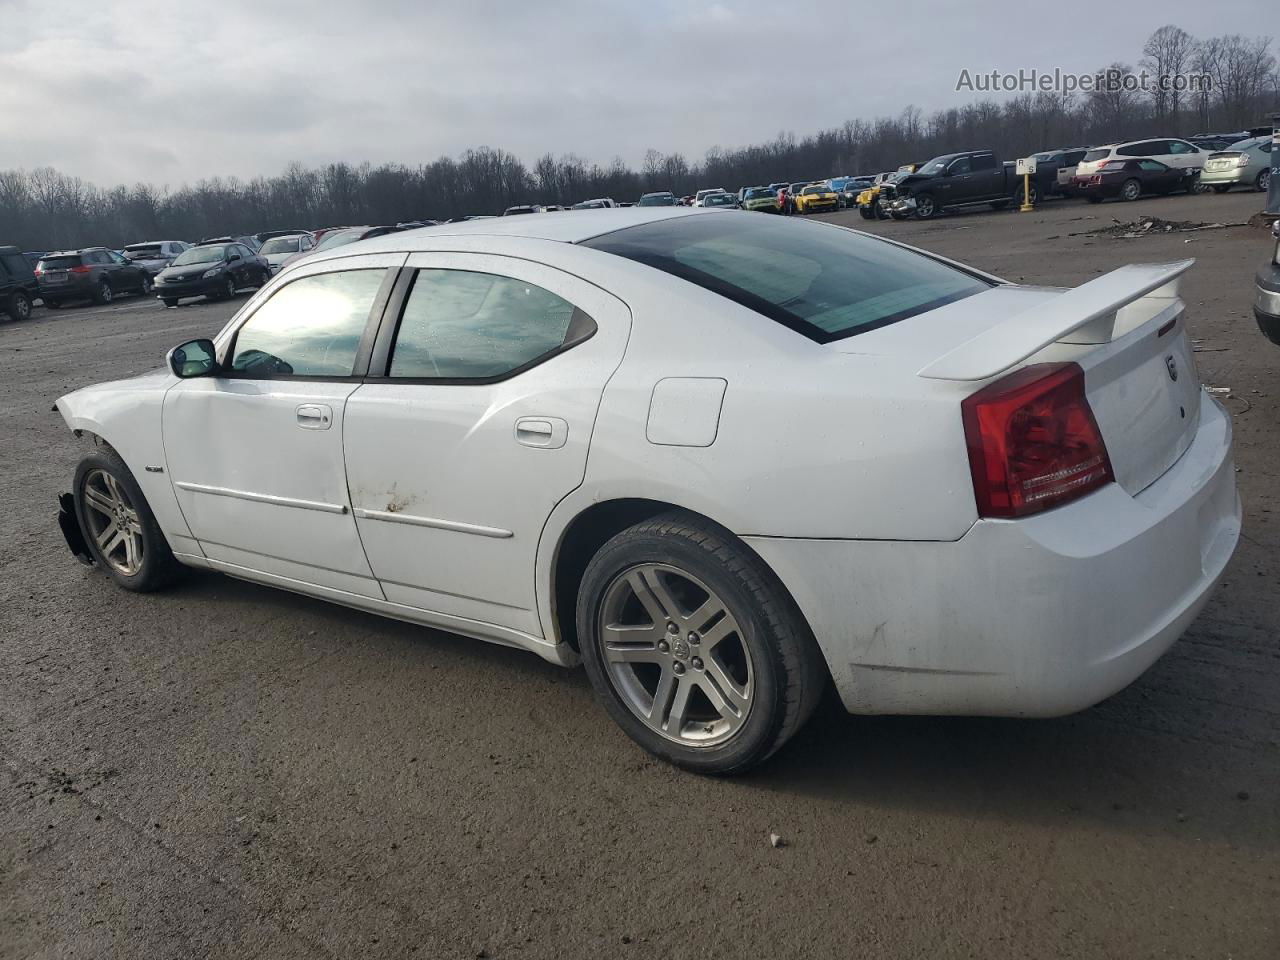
(703, 194)
(1178, 154)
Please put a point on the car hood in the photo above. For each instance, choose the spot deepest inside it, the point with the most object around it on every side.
(84, 408)
(186, 271)
(276, 259)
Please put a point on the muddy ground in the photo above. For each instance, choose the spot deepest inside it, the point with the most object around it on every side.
(226, 770)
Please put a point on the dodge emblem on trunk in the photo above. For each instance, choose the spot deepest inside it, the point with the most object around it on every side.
(1173, 368)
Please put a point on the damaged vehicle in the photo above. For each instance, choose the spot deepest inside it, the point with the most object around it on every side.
(723, 461)
(971, 178)
(1266, 302)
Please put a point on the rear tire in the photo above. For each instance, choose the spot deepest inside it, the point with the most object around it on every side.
(866, 213)
(170, 301)
(1131, 190)
(713, 706)
(1094, 199)
(1263, 181)
(19, 307)
(112, 510)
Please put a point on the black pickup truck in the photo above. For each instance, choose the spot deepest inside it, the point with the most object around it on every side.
(960, 180)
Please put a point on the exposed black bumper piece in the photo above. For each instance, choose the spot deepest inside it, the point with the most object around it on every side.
(1266, 304)
(71, 529)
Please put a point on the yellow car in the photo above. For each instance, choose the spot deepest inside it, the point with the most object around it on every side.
(817, 196)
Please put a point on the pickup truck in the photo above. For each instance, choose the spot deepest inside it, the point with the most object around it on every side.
(960, 180)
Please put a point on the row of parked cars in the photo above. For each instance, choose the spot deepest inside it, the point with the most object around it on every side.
(214, 268)
(1125, 170)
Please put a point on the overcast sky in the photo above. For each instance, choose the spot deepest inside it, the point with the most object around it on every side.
(126, 90)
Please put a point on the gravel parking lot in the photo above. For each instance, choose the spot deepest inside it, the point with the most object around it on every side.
(226, 770)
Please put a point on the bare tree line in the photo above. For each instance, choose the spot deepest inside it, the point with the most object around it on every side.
(46, 209)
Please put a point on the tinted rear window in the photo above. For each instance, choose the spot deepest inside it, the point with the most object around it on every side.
(1093, 155)
(824, 282)
(143, 250)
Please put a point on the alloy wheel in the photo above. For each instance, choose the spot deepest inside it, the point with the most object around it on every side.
(924, 207)
(105, 293)
(675, 654)
(113, 522)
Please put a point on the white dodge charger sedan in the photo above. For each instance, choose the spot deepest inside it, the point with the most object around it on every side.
(723, 460)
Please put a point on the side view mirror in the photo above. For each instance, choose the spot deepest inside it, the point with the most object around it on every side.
(195, 358)
(946, 171)
(233, 257)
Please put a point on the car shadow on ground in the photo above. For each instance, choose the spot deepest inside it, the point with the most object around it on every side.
(1108, 768)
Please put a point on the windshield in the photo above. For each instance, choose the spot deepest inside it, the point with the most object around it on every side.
(759, 193)
(281, 245)
(809, 191)
(824, 282)
(211, 254)
(719, 200)
(936, 165)
(657, 200)
(339, 239)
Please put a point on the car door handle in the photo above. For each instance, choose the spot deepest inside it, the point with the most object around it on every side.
(549, 433)
(314, 416)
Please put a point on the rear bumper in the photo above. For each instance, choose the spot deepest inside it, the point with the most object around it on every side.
(1038, 617)
(77, 289)
(1232, 177)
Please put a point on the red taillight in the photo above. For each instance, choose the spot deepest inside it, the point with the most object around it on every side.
(78, 269)
(1033, 442)
(1096, 178)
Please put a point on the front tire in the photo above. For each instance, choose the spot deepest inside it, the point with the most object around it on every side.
(170, 301)
(144, 287)
(104, 294)
(694, 647)
(118, 525)
(226, 290)
(866, 212)
(926, 207)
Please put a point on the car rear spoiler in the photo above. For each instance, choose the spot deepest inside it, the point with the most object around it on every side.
(1103, 300)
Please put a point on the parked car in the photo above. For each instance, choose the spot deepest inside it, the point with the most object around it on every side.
(1266, 303)
(816, 197)
(591, 205)
(720, 200)
(1175, 153)
(701, 195)
(972, 178)
(1246, 164)
(1131, 179)
(663, 198)
(215, 271)
(868, 201)
(154, 255)
(1063, 163)
(523, 208)
(1220, 141)
(18, 284)
(761, 200)
(853, 186)
(263, 236)
(251, 242)
(94, 273)
(279, 249)
(1047, 513)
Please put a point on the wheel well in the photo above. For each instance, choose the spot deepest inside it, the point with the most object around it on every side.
(591, 530)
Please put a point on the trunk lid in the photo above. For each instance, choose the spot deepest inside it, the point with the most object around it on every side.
(1125, 329)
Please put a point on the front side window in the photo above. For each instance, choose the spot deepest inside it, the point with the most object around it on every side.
(961, 166)
(824, 282)
(460, 325)
(309, 328)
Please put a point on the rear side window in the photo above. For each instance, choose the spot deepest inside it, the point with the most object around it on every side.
(461, 325)
(309, 328)
(824, 282)
(984, 161)
(15, 265)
